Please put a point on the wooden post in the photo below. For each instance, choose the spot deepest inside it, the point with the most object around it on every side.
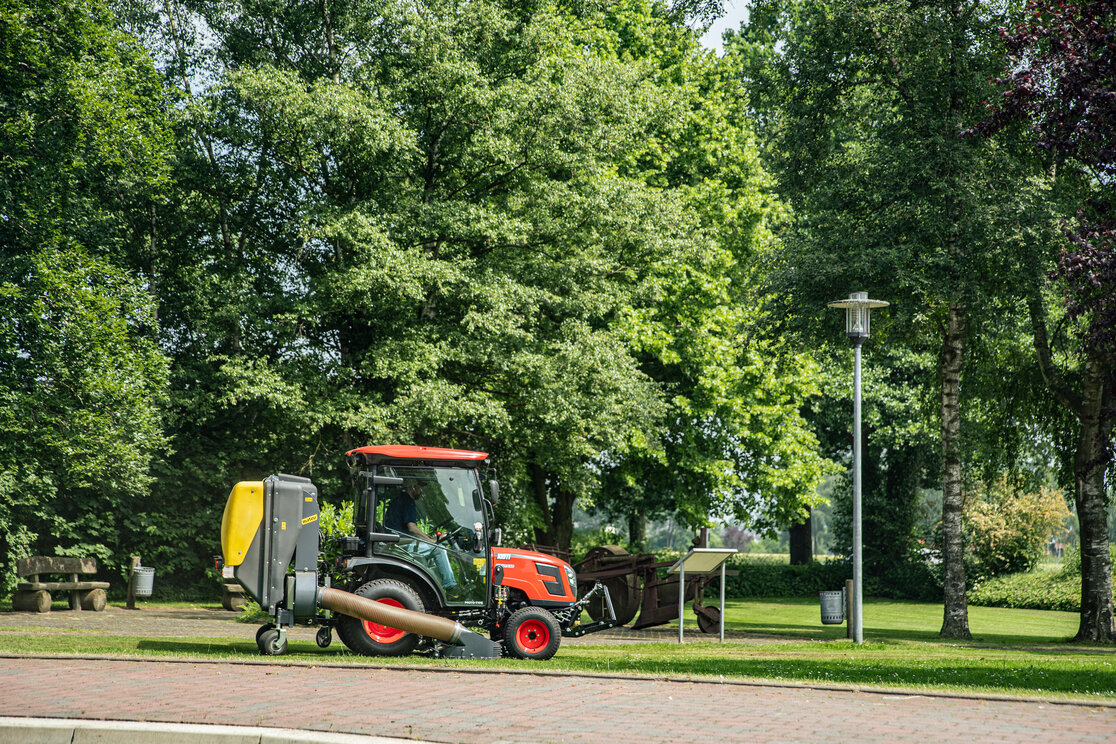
(75, 597)
(848, 608)
(135, 561)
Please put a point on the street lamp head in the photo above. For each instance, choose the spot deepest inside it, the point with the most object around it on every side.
(858, 314)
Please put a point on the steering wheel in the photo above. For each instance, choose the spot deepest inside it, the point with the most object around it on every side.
(455, 537)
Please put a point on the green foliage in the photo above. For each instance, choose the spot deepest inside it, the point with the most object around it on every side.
(81, 377)
(1008, 528)
(251, 612)
(1036, 590)
(80, 384)
(528, 231)
(333, 522)
(864, 105)
(771, 578)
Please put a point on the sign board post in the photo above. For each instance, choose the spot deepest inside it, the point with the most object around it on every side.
(700, 561)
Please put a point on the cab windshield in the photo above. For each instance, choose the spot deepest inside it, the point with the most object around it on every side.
(438, 515)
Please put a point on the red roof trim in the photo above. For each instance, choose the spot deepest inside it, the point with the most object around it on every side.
(409, 452)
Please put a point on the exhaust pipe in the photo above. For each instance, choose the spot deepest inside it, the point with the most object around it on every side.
(465, 644)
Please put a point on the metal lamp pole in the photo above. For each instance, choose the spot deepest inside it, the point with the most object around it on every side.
(858, 311)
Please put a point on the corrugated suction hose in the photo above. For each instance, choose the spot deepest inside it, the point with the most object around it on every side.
(350, 604)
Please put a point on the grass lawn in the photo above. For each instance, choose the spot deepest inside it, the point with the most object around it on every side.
(1015, 652)
(893, 621)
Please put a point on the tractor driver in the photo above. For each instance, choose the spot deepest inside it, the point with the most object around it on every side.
(402, 516)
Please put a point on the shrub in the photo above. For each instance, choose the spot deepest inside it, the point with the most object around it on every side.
(334, 522)
(1008, 528)
(1037, 590)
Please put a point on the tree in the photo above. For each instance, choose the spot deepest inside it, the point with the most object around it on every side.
(81, 376)
(874, 99)
(1061, 72)
(735, 446)
(446, 224)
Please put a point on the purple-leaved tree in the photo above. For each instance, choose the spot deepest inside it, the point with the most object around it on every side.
(1061, 83)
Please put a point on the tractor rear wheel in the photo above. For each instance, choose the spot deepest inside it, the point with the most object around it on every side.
(372, 639)
(532, 633)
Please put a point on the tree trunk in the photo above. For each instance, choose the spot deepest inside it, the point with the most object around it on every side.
(955, 623)
(637, 532)
(1089, 466)
(541, 495)
(561, 525)
(802, 542)
(555, 508)
(1093, 436)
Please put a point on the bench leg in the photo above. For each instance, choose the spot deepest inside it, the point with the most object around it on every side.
(92, 599)
(233, 601)
(37, 601)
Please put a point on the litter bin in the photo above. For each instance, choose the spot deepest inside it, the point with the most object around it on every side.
(143, 581)
(832, 607)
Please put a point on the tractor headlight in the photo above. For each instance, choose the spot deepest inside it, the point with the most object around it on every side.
(571, 576)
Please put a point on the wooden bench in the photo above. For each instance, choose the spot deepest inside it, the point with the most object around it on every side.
(33, 595)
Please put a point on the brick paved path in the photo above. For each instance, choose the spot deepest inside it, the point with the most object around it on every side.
(456, 706)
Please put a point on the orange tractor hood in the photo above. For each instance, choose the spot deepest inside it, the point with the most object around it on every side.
(546, 580)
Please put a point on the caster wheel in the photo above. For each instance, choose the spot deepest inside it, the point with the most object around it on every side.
(324, 637)
(269, 643)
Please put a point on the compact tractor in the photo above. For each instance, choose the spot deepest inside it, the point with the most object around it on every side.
(424, 567)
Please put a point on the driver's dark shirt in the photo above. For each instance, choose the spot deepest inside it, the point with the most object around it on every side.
(401, 510)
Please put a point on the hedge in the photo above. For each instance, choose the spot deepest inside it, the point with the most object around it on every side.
(768, 577)
(1037, 590)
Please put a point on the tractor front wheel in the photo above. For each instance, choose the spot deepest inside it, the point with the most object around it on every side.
(372, 639)
(532, 633)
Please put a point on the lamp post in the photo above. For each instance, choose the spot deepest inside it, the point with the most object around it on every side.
(858, 313)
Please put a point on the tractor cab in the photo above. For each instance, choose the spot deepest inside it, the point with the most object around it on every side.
(422, 510)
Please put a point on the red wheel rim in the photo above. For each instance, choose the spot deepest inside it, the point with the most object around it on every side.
(532, 635)
(384, 633)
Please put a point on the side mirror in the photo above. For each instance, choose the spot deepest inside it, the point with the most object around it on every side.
(494, 489)
(496, 537)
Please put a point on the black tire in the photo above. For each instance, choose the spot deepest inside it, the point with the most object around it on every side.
(323, 637)
(532, 633)
(266, 642)
(371, 639)
(263, 629)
